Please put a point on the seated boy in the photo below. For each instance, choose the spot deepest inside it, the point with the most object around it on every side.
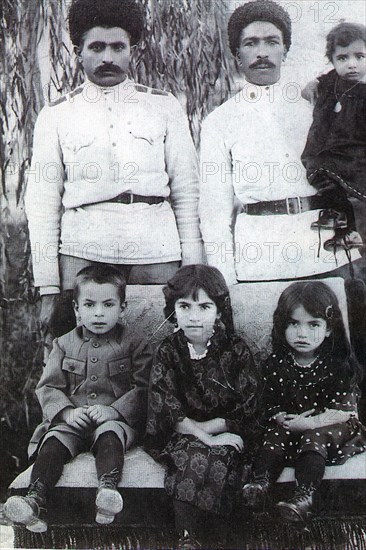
(93, 395)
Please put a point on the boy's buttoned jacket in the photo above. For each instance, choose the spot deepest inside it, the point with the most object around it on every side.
(86, 369)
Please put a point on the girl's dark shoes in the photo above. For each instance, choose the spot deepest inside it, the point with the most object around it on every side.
(187, 541)
(254, 493)
(29, 510)
(299, 506)
(108, 501)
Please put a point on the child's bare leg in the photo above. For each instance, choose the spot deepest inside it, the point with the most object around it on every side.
(46, 471)
(109, 459)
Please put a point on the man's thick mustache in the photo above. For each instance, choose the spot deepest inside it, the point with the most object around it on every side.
(107, 68)
(261, 63)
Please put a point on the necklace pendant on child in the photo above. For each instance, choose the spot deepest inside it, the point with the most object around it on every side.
(338, 107)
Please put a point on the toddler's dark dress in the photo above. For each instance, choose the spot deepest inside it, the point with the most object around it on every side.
(335, 151)
(294, 389)
(222, 384)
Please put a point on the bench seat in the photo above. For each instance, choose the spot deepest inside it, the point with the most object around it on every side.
(148, 512)
(146, 520)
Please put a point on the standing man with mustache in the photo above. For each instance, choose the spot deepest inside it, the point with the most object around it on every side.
(114, 175)
(256, 205)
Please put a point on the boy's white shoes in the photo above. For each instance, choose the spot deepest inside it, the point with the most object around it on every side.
(29, 510)
(108, 502)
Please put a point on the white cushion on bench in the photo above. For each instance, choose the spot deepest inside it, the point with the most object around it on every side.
(141, 471)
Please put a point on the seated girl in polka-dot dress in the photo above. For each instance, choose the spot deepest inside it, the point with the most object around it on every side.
(310, 397)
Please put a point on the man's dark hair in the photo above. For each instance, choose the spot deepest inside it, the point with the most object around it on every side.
(87, 14)
(343, 35)
(258, 10)
(101, 275)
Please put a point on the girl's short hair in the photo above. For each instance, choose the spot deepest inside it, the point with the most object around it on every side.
(188, 280)
(101, 275)
(319, 300)
(343, 35)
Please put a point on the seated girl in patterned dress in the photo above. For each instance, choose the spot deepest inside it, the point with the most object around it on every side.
(310, 397)
(202, 403)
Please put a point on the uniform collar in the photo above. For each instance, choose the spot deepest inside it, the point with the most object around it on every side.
(113, 334)
(121, 88)
(253, 93)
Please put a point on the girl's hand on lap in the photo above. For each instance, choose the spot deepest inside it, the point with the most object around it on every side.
(299, 422)
(227, 438)
(280, 418)
(102, 413)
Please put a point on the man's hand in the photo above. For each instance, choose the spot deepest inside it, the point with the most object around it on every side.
(299, 422)
(102, 413)
(310, 92)
(76, 418)
(48, 304)
(227, 438)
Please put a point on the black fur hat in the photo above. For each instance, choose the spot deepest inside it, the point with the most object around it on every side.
(258, 10)
(86, 14)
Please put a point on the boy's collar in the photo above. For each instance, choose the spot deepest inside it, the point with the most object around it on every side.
(113, 334)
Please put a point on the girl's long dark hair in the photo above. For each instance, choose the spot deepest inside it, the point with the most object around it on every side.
(188, 280)
(319, 300)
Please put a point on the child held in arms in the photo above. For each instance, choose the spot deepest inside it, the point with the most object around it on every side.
(93, 395)
(335, 152)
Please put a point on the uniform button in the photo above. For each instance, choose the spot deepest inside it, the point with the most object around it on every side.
(111, 126)
(93, 377)
(96, 345)
(129, 123)
(114, 144)
(72, 368)
(94, 359)
(93, 396)
(109, 108)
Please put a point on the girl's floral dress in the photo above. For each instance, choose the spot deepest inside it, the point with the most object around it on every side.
(222, 383)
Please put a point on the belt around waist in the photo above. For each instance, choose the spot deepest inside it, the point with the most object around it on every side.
(130, 198)
(290, 206)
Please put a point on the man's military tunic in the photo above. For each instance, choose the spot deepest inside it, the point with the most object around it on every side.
(89, 147)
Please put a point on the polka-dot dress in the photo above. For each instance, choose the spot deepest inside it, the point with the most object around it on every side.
(292, 388)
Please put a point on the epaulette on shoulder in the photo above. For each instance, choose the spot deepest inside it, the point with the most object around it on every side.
(77, 91)
(57, 101)
(141, 88)
(155, 91)
(64, 98)
(147, 90)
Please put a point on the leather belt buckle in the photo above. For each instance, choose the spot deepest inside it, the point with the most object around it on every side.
(131, 198)
(293, 205)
